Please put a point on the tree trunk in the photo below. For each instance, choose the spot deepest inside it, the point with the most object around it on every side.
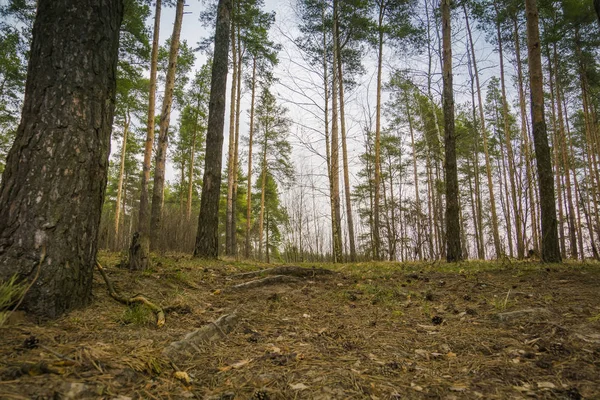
(336, 223)
(525, 138)
(207, 240)
(121, 174)
(53, 185)
(550, 247)
(190, 191)
(236, 144)
(565, 161)
(488, 164)
(139, 251)
(377, 163)
(418, 247)
(163, 135)
(250, 142)
(509, 150)
(555, 154)
(263, 188)
(347, 193)
(453, 246)
(230, 159)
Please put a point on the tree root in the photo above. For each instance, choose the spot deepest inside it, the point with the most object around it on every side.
(210, 332)
(300, 272)
(269, 280)
(137, 299)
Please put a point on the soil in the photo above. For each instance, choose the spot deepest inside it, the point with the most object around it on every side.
(367, 331)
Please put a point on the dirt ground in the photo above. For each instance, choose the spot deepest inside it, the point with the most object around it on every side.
(367, 331)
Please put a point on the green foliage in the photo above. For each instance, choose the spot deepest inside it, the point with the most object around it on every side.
(137, 315)
(10, 293)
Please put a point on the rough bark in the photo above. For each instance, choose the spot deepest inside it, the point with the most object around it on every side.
(163, 135)
(207, 244)
(53, 185)
(550, 247)
(139, 249)
(453, 246)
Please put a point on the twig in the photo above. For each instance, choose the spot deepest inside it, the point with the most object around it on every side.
(160, 315)
(63, 357)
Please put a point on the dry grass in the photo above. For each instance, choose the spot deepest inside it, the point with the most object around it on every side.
(379, 331)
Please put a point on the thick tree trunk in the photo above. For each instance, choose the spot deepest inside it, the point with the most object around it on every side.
(139, 250)
(453, 246)
(550, 247)
(207, 243)
(250, 142)
(163, 135)
(53, 185)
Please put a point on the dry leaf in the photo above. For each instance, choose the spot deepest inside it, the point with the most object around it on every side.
(298, 386)
(241, 363)
(451, 355)
(546, 385)
(183, 377)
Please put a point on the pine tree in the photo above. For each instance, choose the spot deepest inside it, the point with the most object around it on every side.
(207, 244)
(51, 191)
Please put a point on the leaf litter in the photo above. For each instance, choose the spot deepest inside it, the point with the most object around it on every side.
(369, 331)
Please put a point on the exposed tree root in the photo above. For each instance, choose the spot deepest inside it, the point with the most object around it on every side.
(137, 299)
(300, 272)
(269, 280)
(210, 332)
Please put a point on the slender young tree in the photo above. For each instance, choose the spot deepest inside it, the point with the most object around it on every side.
(139, 251)
(453, 246)
(163, 135)
(53, 185)
(550, 245)
(207, 244)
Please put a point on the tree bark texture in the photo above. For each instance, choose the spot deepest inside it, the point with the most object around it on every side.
(453, 246)
(207, 244)
(550, 247)
(53, 185)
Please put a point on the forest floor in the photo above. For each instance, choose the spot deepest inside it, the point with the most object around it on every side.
(367, 331)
